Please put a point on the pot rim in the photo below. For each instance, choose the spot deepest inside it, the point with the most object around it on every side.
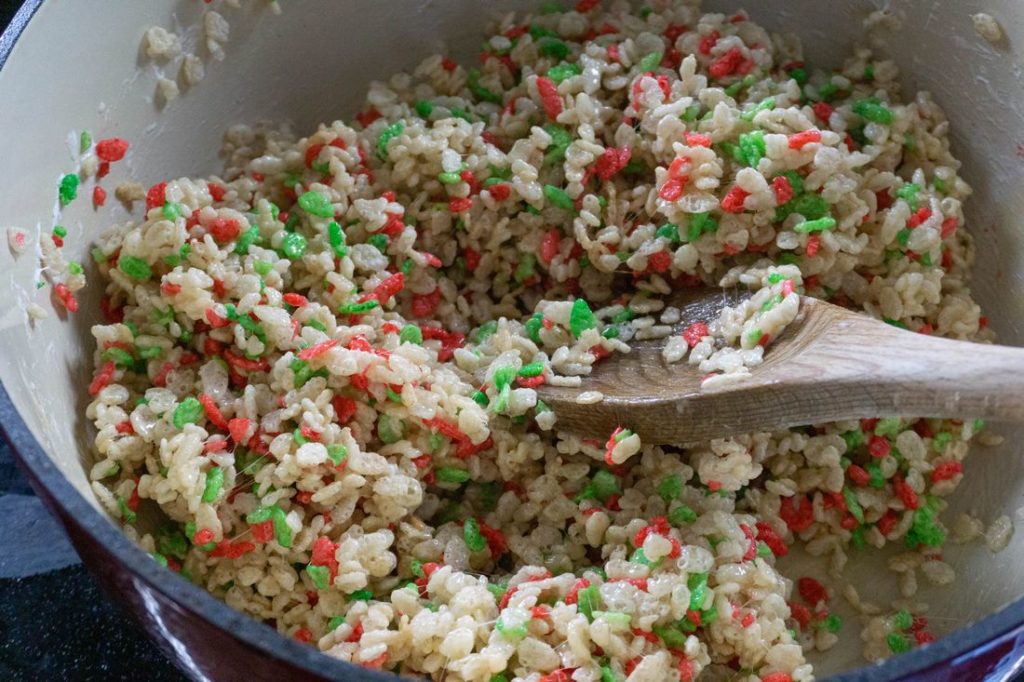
(963, 643)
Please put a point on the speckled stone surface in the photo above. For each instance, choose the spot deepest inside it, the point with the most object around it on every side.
(54, 622)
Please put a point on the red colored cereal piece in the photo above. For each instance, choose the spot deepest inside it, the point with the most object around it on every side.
(727, 64)
(944, 471)
(906, 494)
(213, 412)
(767, 535)
(672, 189)
(66, 297)
(111, 149)
(550, 100)
(694, 333)
(797, 512)
(879, 447)
(659, 261)
(317, 349)
(223, 230)
(611, 161)
(782, 189)
(424, 305)
(156, 196)
(732, 202)
(804, 138)
(812, 591)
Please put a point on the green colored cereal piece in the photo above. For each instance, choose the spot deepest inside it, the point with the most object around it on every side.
(293, 246)
(560, 141)
(872, 109)
(833, 623)
(902, 620)
(388, 134)
(68, 189)
(670, 488)
(681, 514)
(126, 513)
(549, 46)
(316, 203)
(282, 531)
(480, 92)
(503, 376)
(531, 370)
(119, 357)
(674, 639)
(924, 530)
(908, 193)
(558, 197)
(889, 426)
(763, 105)
(134, 267)
(853, 504)
(650, 61)
(472, 536)
(669, 232)
(411, 334)
(533, 327)
(390, 429)
(819, 225)
(698, 584)
(514, 632)
(246, 240)
(564, 71)
(188, 411)
(604, 485)
(336, 238)
(525, 267)
(337, 453)
(214, 484)
(897, 643)
(751, 147)
(451, 475)
(854, 439)
(588, 601)
(320, 575)
(358, 308)
(581, 318)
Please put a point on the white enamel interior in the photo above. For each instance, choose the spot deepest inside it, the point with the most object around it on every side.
(79, 66)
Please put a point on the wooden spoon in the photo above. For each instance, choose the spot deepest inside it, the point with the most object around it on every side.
(829, 364)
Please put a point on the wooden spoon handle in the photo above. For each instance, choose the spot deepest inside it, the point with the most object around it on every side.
(870, 368)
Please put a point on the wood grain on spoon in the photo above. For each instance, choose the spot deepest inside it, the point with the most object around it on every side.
(829, 364)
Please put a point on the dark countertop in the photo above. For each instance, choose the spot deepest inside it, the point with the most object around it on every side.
(55, 624)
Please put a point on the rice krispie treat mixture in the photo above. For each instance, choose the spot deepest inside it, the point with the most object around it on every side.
(321, 366)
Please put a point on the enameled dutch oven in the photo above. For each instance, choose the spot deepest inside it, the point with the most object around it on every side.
(69, 65)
